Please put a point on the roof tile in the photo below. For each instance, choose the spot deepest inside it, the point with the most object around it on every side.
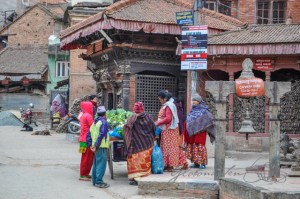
(156, 11)
(259, 34)
(23, 60)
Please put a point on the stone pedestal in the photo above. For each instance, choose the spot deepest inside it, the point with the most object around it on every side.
(250, 145)
(295, 171)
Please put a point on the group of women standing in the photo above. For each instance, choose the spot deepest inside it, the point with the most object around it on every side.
(139, 132)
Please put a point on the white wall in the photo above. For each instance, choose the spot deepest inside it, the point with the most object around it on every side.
(98, 1)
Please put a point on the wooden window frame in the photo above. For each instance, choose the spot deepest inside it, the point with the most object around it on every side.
(263, 18)
(62, 68)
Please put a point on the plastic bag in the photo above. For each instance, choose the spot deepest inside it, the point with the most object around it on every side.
(157, 162)
(157, 131)
(115, 133)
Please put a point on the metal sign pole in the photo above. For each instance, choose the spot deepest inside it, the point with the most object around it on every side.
(193, 74)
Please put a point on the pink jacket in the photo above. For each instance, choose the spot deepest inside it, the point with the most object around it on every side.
(86, 120)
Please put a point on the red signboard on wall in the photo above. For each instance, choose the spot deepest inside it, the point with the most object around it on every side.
(249, 87)
(263, 64)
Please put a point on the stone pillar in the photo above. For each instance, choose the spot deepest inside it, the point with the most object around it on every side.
(230, 112)
(274, 155)
(267, 115)
(219, 169)
(267, 105)
(268, 76)
(231, 104)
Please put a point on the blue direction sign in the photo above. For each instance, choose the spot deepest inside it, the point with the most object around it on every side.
(185, 18)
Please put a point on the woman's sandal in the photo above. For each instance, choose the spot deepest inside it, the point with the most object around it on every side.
(194, 166)
(134, 183)
(202, 166)
(185, 166)
(169, 169)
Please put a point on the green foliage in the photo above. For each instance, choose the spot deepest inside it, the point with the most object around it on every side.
(117, 119)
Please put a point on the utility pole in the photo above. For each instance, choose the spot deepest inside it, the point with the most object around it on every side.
(192, 75)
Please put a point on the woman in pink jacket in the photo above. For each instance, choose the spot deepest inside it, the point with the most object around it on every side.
(87, 157)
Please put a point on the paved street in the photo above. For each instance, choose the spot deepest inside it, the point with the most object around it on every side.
(47, 167)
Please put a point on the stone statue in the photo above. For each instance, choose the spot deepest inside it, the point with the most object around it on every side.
(286, 145)
(295, 170)
(296, 152)
(247, 69)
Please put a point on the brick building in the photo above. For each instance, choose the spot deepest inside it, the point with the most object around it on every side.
(258, 11)
(29, 34)
(81, 78)
(141, 60)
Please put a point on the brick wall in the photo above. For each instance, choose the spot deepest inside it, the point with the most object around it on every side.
(81, 79)
(132, 92)
(34, 28)
(294, 7)
(78, 65)
(81, 85)
(246, 11)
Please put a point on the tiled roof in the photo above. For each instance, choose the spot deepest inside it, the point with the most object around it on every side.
(259, 34)
(23, 60)
(163, 11)
(155, 11)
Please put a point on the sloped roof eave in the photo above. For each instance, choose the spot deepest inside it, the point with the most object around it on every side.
(254, 49)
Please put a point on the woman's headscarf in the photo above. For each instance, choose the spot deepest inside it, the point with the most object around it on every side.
(138, 107)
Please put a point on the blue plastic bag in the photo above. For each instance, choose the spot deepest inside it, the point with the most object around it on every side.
(157, 162)
(157, 131)
(114, 133)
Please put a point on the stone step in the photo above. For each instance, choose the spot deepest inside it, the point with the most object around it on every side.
(184, 186)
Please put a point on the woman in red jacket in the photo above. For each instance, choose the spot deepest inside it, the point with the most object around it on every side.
(87, 157)
(170, 143)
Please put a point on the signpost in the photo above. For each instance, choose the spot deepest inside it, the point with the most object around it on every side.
(194, 48)
(185, 18)
(249, 87)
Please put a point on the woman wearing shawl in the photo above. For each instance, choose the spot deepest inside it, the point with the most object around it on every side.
(199, 122)
(139, 134)
(58, 106)
(170, 143)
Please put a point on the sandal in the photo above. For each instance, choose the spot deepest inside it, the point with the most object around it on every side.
(194, 166)
(202, 166)
(134, 183)
(169, 169)
(84, 178)
(185, 166)
(102, 185)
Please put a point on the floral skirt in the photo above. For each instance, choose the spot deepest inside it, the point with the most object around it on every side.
(171, 150)
(197, 153)
(139, 164)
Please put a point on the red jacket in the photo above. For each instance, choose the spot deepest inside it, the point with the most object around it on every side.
(199, 138)
(86, 120)
(166, 118)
